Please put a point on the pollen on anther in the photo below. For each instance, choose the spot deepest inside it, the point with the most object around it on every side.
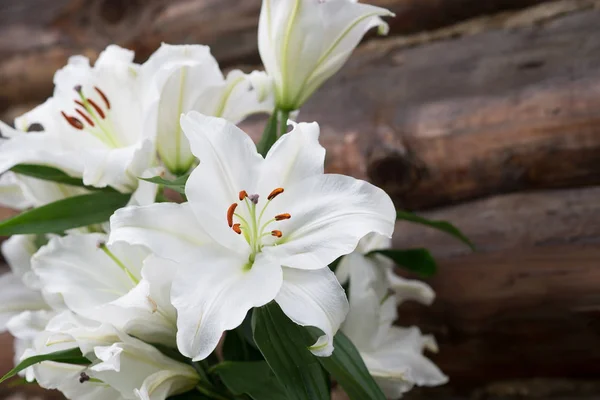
(276, 233)
(97, 108)
(230, 212)
(74, 122)
(243, 195)
(87, 119)
(236, 228)
(281, 217)
(275, 193)
(104, 98)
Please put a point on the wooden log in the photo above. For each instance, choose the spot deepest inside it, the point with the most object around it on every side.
(34, 44)
(489, 106)
(453, 120)
(527, 303)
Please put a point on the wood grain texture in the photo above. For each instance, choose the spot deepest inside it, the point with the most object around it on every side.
(495, 112)
(517, 314)
(37, 36)
(526, 304)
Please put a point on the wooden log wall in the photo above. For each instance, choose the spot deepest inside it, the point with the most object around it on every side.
(484, 113)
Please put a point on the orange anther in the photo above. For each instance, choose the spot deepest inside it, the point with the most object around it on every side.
(275, 193)
(243, 195)
(74, 122)
(281, 217)
(87, 119)
(97, 108)
(276, 233)
(104, 98)
(230, 212)
(236, 228)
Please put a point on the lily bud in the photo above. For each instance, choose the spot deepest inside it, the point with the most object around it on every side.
(304, 42)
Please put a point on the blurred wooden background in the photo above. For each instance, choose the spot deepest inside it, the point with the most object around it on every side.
(485, 113)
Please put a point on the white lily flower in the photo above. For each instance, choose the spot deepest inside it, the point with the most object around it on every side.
(63, 332)
(304, 42)
(122, 367)
(138, 370)
(24, 307)
(255, 230)
(19, 289)
(93, 125)
(187, 77)
(393, 355)
(377, 272)
(110, 284)
(11, 192)
(16, 298)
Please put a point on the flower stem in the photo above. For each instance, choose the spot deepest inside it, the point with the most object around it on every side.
(283, 118)
(269, 135)
(210, 393)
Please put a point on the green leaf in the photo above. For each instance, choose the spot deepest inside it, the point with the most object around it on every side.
(269, 135)
(237, 348)
(54, 175)
(191, 395)
(71, 356)
(416, 260)
(47, 174)
(177, 185)
(69, 213)
(285, 348)
(252, 378)
(347, 367)
(439, 225)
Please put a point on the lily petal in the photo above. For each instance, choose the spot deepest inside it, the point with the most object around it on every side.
(17, 251)
(295, 156)
(16, 298)
(118, 168)
(131, 365)
(176, 76)
(399, 363)
(229, 163)
(304, 42)
(146, 311)
(38, 148)
(65, 378)
(214, 293)
(410, 289)
(169, 230)
(314, 298)
(237, 97)
(85, 275)
(329, 215)
(11, 194)
(41, 192)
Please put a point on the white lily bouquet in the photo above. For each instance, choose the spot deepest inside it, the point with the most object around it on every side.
(162, 254)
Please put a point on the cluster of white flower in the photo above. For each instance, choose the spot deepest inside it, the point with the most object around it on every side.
(135, 305)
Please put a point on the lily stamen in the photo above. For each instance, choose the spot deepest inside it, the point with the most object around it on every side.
(243, 194)
(236, 228)
(74, 122)
(104, 98)
(87, 119)
(274, 193)
(276, 233)
(230, 212)
(281, 217)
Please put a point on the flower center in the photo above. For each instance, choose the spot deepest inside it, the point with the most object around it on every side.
(92, 118)
(253, 228)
